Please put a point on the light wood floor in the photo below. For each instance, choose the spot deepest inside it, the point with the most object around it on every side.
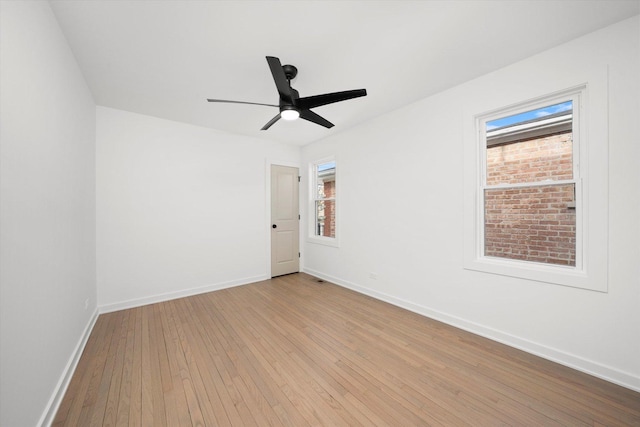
(293, 351)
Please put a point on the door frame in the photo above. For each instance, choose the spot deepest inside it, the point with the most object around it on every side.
(267, 216)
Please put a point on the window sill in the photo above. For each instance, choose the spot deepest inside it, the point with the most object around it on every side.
(326, 241)
(539, 272)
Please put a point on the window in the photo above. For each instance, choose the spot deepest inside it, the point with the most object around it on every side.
(535, 200)
(323, 197)
(529, 186)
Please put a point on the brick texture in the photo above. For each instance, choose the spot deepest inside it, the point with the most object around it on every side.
(329, 229)
(531, 223)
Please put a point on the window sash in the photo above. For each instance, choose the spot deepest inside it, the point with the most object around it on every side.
(543, 233)
(323, 230)
(529, 184)
(325, 225)
(574, 96)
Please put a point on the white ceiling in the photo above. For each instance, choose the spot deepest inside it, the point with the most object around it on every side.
(164, 58)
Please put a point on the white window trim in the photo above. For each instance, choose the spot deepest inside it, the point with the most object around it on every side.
(574, 95)
(311, 235)
(590, 166)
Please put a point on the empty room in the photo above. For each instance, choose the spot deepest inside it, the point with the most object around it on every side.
(332, 213)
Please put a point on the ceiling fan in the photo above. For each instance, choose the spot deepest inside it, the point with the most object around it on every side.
(291, 105)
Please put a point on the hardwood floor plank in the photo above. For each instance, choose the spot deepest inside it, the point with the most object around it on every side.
(175, 399)
(295, 351)
(114, 398)
(188, 378)
(207, 347)
(205, 390)
(227, 361)
(135, 405)
(150, 371)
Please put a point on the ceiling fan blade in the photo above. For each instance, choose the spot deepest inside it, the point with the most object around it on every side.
(271, 122)
(328, 98)
(313, 117)
(240, 102)
(282, 84)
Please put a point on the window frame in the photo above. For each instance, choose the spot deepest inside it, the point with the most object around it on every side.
(576, 98)
(589, 272)
(313, 199)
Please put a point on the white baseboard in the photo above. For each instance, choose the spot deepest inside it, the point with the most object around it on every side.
(595, 369)
(61, 388)
(138, 302)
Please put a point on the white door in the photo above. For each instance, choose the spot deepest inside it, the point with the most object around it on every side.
(285, 221)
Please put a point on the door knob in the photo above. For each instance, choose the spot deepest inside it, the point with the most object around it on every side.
(274, 226)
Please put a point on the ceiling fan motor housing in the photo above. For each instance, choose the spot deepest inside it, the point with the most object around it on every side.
(290, 71)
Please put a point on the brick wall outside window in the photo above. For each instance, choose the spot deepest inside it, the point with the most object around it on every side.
(329, 229)
(534, 223)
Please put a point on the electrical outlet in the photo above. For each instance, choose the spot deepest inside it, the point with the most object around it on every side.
(373, 276)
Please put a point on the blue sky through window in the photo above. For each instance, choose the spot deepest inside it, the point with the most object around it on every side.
(325, 166)
(529, 115)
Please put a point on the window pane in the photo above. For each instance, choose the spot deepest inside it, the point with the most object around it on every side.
(325, 218)
(326, 180)
(531, 224)
(531, 147)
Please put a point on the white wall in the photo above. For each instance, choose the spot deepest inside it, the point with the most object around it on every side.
(401, 214)
(180, 209)
(47, 214)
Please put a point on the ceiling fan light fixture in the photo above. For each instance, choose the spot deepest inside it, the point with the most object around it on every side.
(291, 105)
(289, 113)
